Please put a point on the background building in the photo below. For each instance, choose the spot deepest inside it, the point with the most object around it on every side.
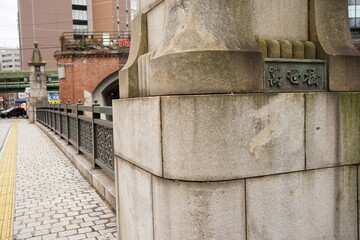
(354, 19)
(10, 60)
(7, 100)
(45, 21)
(111, 15)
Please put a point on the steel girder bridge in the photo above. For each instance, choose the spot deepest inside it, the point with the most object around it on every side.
(14, 82)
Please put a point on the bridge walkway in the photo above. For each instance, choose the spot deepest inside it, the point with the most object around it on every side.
(45, 197)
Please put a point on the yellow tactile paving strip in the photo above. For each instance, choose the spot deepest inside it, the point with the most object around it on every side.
(7, 184)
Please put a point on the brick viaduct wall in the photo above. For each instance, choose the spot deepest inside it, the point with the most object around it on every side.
(85, 71)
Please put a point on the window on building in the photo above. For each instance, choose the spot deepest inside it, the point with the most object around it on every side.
(80, 29)
(79, 15)
(354, 14)
(79, 2)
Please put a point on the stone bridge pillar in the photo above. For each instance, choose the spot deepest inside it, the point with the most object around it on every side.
(38, 88)
(238, 119)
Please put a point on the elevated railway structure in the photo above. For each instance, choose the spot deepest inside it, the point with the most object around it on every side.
(13, 82)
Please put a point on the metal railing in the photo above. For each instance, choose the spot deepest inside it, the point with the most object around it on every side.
(72, 41)
(88, 133)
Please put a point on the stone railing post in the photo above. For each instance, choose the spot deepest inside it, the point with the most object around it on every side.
(78, 113)
(61, 109)
(93, 117)
(67, 120)
(51, 111)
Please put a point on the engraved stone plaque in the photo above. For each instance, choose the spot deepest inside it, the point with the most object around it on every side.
(295, 75)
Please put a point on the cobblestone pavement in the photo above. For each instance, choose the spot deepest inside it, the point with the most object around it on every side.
(53, 201)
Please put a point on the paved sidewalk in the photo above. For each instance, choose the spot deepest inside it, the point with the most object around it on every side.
(53, 201)
(5, 125)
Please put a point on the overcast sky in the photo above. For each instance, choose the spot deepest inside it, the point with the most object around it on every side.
(9, 36)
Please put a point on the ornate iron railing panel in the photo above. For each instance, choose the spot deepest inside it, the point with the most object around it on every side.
(52, 120)
(83, 127)
(64, 129)
(57, 125)
(72, 130)
(47, 114)
(86, 139)
(104, 145)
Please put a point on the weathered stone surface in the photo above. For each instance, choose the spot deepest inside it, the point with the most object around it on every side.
(332, 129)
(298, 49)
(330, 32)
(128, 75)
(278, 19)
(141, 73)
(155, 25)
(322, 122)
(344, 73)
(310, 50)
(221, 137)
(31, 113)
(206, 31)
(38, 88)
(200, 55)
(285, 49)
(203, 72)
(143, 70)
(137, 133)
(358, 181)
(262, 46)
(185, 210)
(350, 126)
(329, 28)
(135, 217)
(273, 48)
(144, 6)
(319, 204)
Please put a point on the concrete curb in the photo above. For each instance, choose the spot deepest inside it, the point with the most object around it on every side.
(102, 182)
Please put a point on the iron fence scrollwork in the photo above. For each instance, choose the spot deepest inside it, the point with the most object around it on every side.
(72, 130)
(86, 140)
(64, 126)
(84, 127)
(104, 146)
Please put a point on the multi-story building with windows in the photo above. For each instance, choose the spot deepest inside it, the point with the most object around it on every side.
(45, 20)
(81, 17)
(354, 20)
(10, 60)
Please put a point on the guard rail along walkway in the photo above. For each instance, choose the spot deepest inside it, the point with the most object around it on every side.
(83, 127)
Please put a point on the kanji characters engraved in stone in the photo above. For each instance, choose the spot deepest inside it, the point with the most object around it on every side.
(293, 76)
(275, 77)
(312, 77)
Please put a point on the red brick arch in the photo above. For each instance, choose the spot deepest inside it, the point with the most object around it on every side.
(86, 71)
